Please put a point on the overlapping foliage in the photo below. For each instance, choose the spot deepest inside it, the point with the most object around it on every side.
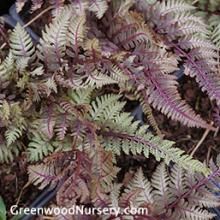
(62, 102)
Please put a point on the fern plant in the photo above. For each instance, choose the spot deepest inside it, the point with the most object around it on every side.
(86, 122)
(170, 194)
(64, 103)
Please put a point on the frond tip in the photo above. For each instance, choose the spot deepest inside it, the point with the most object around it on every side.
(173, 194)
(38, 149)
(98, 7)
(163, 95)
(21, 44)
(122, 134)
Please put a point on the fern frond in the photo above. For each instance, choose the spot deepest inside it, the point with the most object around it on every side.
(131, 32)
(78, 188)
(192, 212)
(187, 203)
(12, 134)
(99, 7)
(146, 195)
(81, 96)
(97, 79)
(171, 195)
(51, 84)
(58, 6)
(76, 32)
(197, 63)
(103, 171)
(215, 36)
(42, 174)
(21, 43)
(206, 77)
(118, 75)
(8, 66)
(61, 127)
(114, 195)
(123, 134)
(3, 73)
(173, 6)
(38, 71)
(191, 42)
(204, 199)
(47, 122)
(7, 153)
(153, 65)
(106, 108)
(53, 42)
(178, 183)
(127, 198)
(73, 109)
(77, 182)
(38, 149)
(141, 96)
(160, 181)
(5, 110)
(18, 116)
(163, 95)
(22, 64)
(93, 45)
(162, 92)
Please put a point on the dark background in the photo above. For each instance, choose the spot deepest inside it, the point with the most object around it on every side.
(5, 5)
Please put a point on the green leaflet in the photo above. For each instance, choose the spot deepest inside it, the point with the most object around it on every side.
(2, 209)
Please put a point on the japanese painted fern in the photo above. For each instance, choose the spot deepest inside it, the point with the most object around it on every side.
(63, 102)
